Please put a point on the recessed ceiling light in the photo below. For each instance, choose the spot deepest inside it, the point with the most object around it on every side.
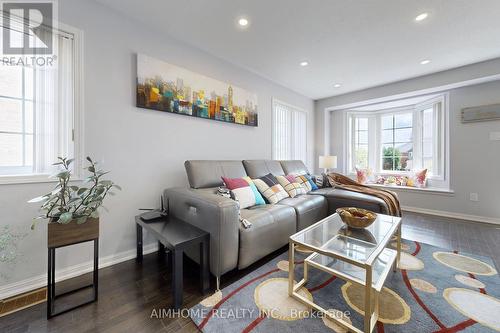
(304, 63)
(421, 17)
(337, 85)
(243, 22)
(425, 62)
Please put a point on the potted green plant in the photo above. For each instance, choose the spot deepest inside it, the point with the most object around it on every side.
(72, 210)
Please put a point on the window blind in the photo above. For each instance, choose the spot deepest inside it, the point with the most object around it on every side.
(37, 110)
(289, 133)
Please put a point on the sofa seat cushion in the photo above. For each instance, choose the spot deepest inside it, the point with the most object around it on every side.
(272, 225)
(309, 209)
(337, 198)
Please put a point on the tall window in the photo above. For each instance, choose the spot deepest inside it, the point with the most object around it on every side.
(398, 141)
(16, 119)
(36, 110)
(360, 141)
(289, 132)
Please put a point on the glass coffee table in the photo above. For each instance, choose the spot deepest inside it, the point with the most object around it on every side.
(360, 256)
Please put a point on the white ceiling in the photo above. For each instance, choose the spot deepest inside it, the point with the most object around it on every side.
(360, 44)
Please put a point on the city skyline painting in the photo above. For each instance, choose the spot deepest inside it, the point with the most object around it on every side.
(169, 88)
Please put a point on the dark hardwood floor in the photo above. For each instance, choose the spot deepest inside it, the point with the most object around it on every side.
(128, 292)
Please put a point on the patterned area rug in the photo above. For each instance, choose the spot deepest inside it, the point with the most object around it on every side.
(434, 291)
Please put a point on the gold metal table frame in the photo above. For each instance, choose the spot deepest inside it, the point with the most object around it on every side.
(371, 313)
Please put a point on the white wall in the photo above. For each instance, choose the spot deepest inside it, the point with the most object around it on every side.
(145, 150)
(474, 159)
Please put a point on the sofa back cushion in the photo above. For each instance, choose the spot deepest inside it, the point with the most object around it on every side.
(294, 167)
(208, 173)
(260, 168)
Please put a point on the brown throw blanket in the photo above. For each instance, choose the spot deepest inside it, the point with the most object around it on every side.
(346, 183)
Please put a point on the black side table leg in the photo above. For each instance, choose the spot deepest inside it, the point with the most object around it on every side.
(177, 257)
(138, 229)
(96, 269)
(49, 284)
(204, 266)
(53, 274)
(161, 250)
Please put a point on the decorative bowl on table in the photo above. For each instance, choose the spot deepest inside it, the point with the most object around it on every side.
(358, 218)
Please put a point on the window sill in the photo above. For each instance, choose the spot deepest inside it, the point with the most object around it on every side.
(429, 190)
(30, 179)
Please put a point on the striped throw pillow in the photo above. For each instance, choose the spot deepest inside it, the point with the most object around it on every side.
(291, 186)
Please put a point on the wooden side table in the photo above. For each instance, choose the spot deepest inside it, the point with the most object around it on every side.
(62, 235)
(177, 236)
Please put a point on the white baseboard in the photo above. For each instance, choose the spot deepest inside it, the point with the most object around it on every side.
(40, 281)
(460, 216)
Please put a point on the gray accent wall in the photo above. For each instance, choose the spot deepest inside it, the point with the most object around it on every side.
(145, 150)
(474, 159)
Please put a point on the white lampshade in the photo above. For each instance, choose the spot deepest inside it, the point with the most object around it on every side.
(328, 162)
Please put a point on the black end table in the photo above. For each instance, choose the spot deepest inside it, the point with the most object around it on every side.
(177, 235)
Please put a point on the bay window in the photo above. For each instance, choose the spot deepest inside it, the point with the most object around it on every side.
(398, 141)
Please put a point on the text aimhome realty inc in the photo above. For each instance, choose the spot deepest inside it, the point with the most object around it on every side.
(242, 313)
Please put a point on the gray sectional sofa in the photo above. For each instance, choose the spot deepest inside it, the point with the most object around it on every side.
(231, 245)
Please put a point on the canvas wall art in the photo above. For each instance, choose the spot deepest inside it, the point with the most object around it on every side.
(169, 88)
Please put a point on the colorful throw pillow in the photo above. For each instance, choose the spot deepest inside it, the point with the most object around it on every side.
(418, 179)
(291, 186)
(312, 181)
(242, 190)
(270, 188)
(304, 182)
(259, 200)
(380, 180)
(365, 176)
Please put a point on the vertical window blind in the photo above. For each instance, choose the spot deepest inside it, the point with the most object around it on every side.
(289, 132)
(36, 110)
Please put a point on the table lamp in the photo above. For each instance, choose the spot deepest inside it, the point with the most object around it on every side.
(327, 162)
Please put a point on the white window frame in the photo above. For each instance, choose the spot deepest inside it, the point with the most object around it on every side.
(292, 108)
(77, 116)
(23, 100)
(440, 121)
(439, 179)
(378, 146)
(372, 137)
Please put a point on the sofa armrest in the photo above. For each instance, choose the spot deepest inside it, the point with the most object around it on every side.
(213, 213)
